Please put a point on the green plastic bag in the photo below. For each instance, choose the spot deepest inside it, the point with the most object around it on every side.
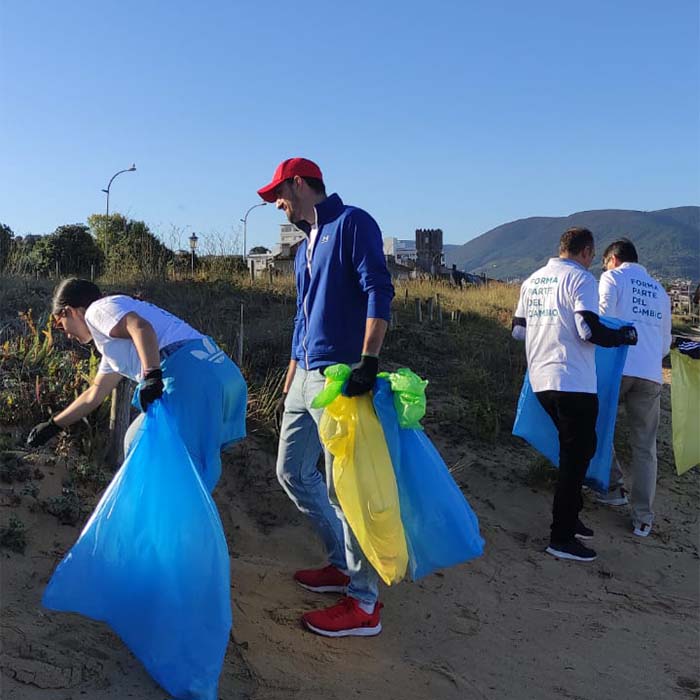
(685, 410)
(409, 396)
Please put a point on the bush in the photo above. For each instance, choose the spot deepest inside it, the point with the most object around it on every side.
(14, 536)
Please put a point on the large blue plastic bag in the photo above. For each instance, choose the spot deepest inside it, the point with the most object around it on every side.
(152, 562)
(441, 529)
(534, 424)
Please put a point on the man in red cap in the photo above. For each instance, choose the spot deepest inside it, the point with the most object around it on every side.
(344, 295)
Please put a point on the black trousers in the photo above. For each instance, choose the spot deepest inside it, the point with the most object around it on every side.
(574, 414)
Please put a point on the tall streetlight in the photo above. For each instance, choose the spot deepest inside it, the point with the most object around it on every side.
(127, 170)
(193, 246)
(245, 223)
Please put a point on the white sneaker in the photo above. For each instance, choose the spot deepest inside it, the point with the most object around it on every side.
(617, 496)
(642, 530)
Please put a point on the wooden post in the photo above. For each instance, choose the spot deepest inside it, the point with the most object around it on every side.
(240, 341)
(269, 271)
(439, 309)
(119, 414)
(419, 310)
(252, 271)
(430, 308)
(405, 298)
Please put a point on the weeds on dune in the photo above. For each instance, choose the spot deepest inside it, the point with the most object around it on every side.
(13, 536)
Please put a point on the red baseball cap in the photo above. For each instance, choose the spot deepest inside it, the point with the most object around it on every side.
(290, 168)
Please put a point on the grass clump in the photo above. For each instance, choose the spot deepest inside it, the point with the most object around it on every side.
(13, 536)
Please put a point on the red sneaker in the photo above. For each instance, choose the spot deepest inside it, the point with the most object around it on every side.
(345, 619)
(326, 580)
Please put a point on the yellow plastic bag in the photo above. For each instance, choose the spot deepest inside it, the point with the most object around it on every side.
(685, 410)
(363, 475)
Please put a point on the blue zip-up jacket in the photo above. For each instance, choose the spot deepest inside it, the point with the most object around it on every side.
(348, 283)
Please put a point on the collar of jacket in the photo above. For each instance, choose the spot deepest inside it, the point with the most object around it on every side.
(327, 210)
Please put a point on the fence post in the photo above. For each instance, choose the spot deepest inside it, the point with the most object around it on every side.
(119, 414)
(240, 341)
(419, 310)
(430, 308)
(405, 298)
(439, 309)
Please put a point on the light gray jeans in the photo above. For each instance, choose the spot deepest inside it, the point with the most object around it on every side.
(297, 456)
(642, 401)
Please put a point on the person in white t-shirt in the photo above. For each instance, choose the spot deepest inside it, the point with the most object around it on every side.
(628, 292)
(203, 388)
(557, 317)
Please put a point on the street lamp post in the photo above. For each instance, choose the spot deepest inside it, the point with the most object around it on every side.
(193, 246)
(126, 170)
(245, 227)
(121, 394)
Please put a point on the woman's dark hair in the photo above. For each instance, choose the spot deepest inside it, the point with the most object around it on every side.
(76, 293)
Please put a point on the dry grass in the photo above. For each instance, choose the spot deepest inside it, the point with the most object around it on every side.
(474, 367)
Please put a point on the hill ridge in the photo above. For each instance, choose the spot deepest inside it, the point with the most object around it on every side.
(668, 241)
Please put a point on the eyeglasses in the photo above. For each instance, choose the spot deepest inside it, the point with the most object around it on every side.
(57, 317)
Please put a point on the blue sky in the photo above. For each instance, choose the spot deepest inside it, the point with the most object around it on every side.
(460, 115)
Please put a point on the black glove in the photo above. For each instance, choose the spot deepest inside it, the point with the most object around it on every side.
(43, 433)
(363, 377)
(279, 410)
(151, 388)
(629, 335)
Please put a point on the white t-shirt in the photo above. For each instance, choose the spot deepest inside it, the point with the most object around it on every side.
(631, 294)
(557, 358)
(119, 354)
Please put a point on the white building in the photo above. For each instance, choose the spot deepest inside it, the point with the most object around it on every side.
(403, 251)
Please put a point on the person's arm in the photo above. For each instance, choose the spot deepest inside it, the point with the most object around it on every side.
(135, 328)
(89, 400)
(368, 259)
(363, 377)
(666, 329)
(291, 371)
(519, 323)
(591, 329)
(375, 331)
(607, 295)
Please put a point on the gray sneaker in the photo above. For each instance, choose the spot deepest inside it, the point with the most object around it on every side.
(616, 496)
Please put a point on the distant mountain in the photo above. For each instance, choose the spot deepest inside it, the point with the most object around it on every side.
(667, 240)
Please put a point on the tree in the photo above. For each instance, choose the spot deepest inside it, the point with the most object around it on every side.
(6, 236)
(70, 249)
(129, 246)
(258, 250)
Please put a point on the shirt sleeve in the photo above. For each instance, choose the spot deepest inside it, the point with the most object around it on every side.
(585, 293)
(105, 313)
(520, 308)
(666, 329)
(607, 291)
(299, 316)
(104, 367)
(370, 264)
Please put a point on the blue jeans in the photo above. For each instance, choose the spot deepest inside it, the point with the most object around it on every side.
(298, 453)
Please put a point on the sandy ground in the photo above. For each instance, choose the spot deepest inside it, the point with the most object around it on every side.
(514, 624)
